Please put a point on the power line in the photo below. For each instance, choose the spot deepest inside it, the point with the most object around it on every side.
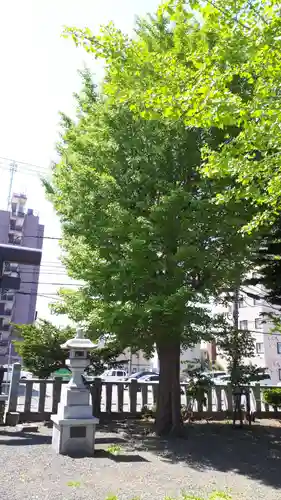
(45, 273)
(46, 283)
(51, 296)
(24, 171)
(32, 165)
(39, 237)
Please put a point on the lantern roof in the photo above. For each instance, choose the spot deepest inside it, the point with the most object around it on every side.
(79, 342)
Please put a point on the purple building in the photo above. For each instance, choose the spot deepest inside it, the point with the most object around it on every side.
(19, 226)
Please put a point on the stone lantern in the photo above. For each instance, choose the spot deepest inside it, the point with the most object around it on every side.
(74, 425)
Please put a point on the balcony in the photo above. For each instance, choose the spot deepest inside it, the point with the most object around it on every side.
(15, 226)
(7, 297)
(10, 282)
(5, 311)
(4, 347)
(20, 214)
(11, 267)
(5, 328)
(15, 239)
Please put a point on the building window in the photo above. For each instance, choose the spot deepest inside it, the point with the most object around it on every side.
(258, 323)
(279, 373)
(243, 325)
(257, 302)
(241, 302)
(279, 347)
(259, 348)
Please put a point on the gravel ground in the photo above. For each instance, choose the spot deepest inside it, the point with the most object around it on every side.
(212, 457)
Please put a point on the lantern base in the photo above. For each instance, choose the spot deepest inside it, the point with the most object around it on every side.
(74, 436)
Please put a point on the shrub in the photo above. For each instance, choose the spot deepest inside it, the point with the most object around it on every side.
(273, 397)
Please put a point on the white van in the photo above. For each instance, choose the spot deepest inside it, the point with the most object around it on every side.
(113, 375)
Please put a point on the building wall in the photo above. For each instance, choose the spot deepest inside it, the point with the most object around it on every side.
(191, 355)
(20, 227)
(25, 306)
(4, 226)
(134, 362)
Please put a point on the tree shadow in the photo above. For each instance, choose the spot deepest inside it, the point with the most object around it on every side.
(254, 452)
(109, 440)
(23, 438)
(120, 457)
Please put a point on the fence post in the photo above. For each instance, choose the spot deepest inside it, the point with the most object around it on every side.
(257, 396)
(42, 397)
(12, 416)
(120, 397)
(155, 394)
(229, 396)
(56, 394)
(96, 390)
(108, 392)
(133, 391)
(28, 396)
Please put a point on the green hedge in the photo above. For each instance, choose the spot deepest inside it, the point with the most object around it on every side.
(273, 397)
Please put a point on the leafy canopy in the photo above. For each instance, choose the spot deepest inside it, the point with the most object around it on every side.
(140, 227)
(212, 64)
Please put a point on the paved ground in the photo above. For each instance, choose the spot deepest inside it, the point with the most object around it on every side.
(212, 457)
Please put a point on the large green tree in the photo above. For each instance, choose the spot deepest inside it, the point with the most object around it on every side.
(193, 68)
(142, 231)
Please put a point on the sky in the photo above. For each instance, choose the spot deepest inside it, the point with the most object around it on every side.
(38, 78)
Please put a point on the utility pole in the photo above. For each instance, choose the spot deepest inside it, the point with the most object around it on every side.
(236, 309)
(130, 362)
(13, 169)
(236, 331)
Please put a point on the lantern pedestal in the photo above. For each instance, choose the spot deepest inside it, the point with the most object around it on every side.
(74, 426)
(74, 436)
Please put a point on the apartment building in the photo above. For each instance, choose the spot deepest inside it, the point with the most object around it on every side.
(19, 226)
(190, 357)
(267, 341)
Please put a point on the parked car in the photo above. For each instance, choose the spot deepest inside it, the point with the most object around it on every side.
(114, 375)
(139, 375)
(152, 377)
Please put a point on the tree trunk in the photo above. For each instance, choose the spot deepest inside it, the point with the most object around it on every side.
(168, 414)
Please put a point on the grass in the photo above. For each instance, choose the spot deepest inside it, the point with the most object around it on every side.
(74, 484)
(114, 449)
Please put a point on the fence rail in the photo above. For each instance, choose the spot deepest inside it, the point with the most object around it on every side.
(36, 399)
